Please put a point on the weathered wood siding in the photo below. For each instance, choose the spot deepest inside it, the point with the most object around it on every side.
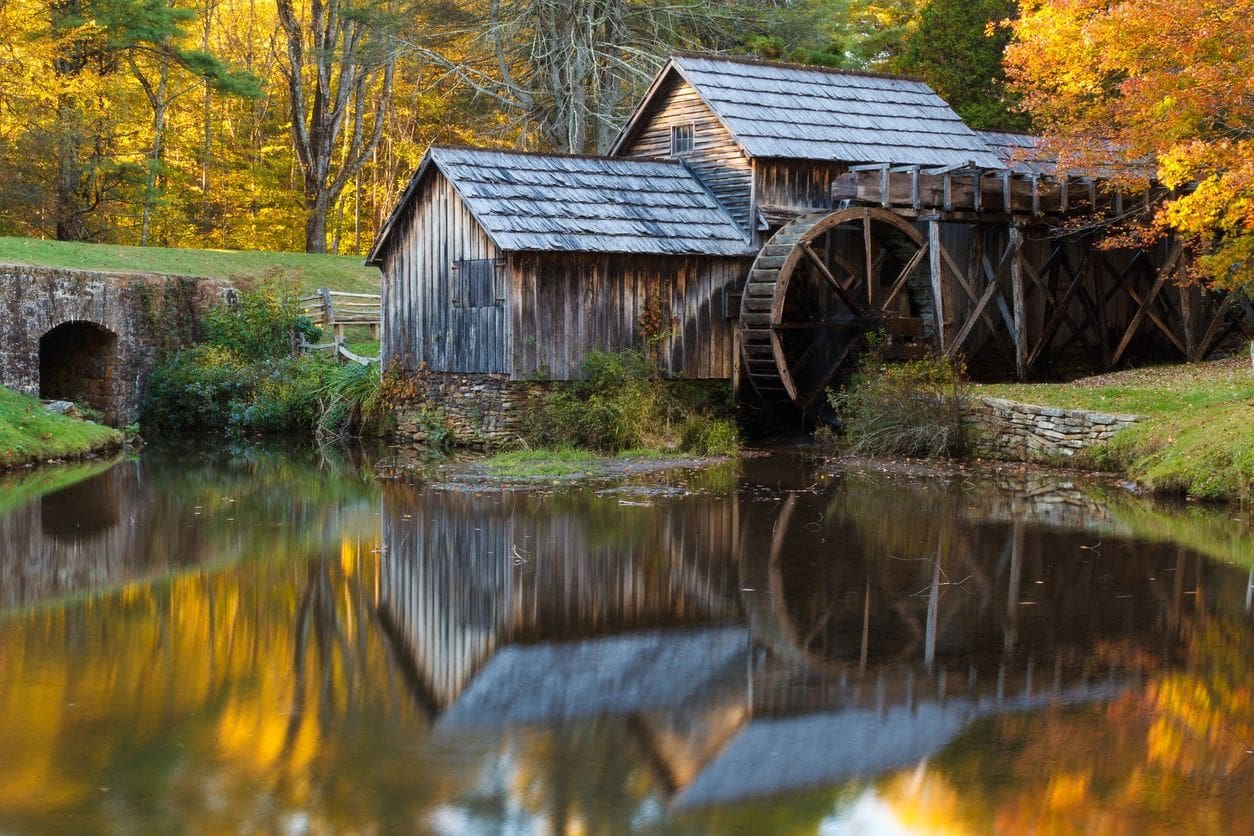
(802, 185)
(420, 322)
(563, 305)
(716, 157)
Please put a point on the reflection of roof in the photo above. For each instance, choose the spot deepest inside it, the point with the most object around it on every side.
(814, 113)
(552, 682)
(779, 754)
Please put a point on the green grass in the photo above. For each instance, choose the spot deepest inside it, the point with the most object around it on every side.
(29, 433)
(530, 463)
(366, 348)
(1160, 390)
(566, 461)
(338, 272)
(1205, 453)
(1196, 438)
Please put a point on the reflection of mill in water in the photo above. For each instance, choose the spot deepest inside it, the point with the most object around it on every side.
(749, 656)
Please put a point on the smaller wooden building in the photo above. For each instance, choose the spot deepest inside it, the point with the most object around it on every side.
(518, 264)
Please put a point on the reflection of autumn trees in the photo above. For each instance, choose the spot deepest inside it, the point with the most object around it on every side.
(242, 696)
(1164, 758)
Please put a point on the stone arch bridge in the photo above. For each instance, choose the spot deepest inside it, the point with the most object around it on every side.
(93, 337)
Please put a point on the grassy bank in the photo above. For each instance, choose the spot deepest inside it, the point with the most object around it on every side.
(29, 433)
(1197, 433)
(339, 272)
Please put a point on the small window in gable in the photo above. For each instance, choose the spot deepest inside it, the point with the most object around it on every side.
(681, 139)
(479, 283)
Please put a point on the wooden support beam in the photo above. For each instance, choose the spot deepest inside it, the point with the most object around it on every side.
(870, 261)
(1144, 306)
(977, 313)
(1050, 291)
(1020, 312)
(938, 282)
(1187, 297)
(1055, 321)
(904, 276)
(1213, 331)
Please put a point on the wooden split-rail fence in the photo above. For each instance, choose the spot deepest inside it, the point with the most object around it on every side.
(335, 310)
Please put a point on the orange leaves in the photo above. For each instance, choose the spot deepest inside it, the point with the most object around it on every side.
(1153, 79)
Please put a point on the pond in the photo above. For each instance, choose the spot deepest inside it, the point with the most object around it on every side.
(238, 637)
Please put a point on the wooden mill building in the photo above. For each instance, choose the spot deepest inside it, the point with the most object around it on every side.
(752, 222)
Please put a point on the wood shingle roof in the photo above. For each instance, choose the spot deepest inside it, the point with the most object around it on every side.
(560, 203)
(813, 113)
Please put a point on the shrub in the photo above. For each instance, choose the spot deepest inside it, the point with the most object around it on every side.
(284, 398)
(351, 401)
(708, 436)
(197, 389)
(621, 402)
(904, 409)
(242, 380)
(258, 326)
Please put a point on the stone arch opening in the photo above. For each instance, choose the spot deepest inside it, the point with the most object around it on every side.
(77, 361)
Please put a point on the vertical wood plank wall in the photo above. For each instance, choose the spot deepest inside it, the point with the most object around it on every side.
(563, 305)
(716, 157)
(795, 184)
(420, 322)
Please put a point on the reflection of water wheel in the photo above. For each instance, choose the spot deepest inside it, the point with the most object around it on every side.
(818, 287)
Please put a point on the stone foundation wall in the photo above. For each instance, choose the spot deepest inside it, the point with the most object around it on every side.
(1002, 429)
(477, 410)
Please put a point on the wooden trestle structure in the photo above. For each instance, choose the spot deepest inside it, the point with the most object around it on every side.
(966, 261)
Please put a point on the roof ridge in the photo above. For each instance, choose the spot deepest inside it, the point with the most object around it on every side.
(559, 155)
(785, 65)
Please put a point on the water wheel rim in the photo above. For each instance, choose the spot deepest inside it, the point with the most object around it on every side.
(796, 236)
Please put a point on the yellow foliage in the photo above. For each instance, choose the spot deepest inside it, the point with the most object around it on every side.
(1114, 84)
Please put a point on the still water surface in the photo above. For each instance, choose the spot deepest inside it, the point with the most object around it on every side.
(219, 639)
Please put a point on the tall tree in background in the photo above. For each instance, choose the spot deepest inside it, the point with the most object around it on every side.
(564, 72)
(1127, 86)
(846, 34)
(150, 35)
(957, 47)
(341, 60)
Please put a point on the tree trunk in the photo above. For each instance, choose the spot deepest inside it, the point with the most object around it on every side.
(316, 228)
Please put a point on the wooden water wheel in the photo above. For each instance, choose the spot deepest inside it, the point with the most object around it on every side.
(821, 284)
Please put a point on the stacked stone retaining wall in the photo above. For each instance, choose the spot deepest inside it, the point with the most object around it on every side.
(1003, 429)
(475, 410)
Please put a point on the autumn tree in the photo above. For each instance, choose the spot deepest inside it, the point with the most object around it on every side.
(1140, 87)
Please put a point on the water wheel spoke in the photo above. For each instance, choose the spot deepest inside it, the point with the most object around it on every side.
(818, 263)
(903, 277)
